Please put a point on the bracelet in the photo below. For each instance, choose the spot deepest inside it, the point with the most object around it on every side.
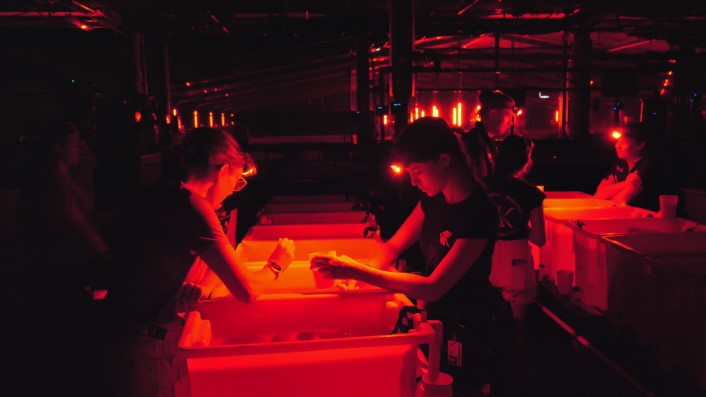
(274, 268)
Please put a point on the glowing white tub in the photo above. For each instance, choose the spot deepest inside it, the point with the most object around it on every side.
(590, 258)
(567, 195)
(356, 248)
(308, 207)
(288, 218)
(309, 231)
(332, 198)
(589, 202)
(305, 346)
(558, 252)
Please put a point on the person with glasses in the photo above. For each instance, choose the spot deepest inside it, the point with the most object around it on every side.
(497, 115)
(164, 238)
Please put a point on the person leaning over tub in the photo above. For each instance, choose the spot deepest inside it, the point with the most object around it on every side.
(162, 241)
(455, 225)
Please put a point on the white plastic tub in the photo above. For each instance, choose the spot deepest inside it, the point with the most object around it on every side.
(658, 290)
(558, 252)
(288, 218)
(308, 207)
(356, 248)
(589, 248)
(304, 346)
(332, 198)
(567, 195)
(590, 202)
(309, 231)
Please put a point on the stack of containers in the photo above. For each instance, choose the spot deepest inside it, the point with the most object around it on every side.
(562, 217)
(592, 272)
(657, 288)
(305, 336)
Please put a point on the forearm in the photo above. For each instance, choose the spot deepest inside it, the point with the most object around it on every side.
(413, 285)
(384, 258)
(608, 190)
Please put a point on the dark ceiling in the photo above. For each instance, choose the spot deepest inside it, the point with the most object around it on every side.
(238, 55)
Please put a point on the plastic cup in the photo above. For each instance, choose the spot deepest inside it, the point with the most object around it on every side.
(564, 281)
(668, 206)
(320, 280)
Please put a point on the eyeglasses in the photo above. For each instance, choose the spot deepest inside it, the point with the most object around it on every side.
(240, 184)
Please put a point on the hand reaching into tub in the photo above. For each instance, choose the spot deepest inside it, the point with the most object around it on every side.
(283, 254)
(338, 267)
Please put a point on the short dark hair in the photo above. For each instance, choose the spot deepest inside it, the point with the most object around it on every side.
(424, 140)
(495, 99)
(205, 147)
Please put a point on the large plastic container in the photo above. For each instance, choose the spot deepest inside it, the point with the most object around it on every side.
(331, 198)
(309, 231)
(590, 261)
(305, 346)
(658, 290)
(308, 207)
(570, 194)
(681, 287)
(289, 218)
(356, 248)
(590, 202)
(558, 251)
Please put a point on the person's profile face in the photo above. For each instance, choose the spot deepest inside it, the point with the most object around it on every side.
(626, 147)
(428, 176)
(499, 123)
(69, 152)
(228, 180)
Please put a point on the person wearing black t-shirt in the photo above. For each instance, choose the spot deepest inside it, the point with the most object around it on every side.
(455, 225)
(638, 177)
(521, 220)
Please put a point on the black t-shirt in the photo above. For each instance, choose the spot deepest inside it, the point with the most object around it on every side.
(481, 148)
(444, 223)
(158, 246)
(514, 200)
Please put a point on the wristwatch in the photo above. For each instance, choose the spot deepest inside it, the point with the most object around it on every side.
(275, 268)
